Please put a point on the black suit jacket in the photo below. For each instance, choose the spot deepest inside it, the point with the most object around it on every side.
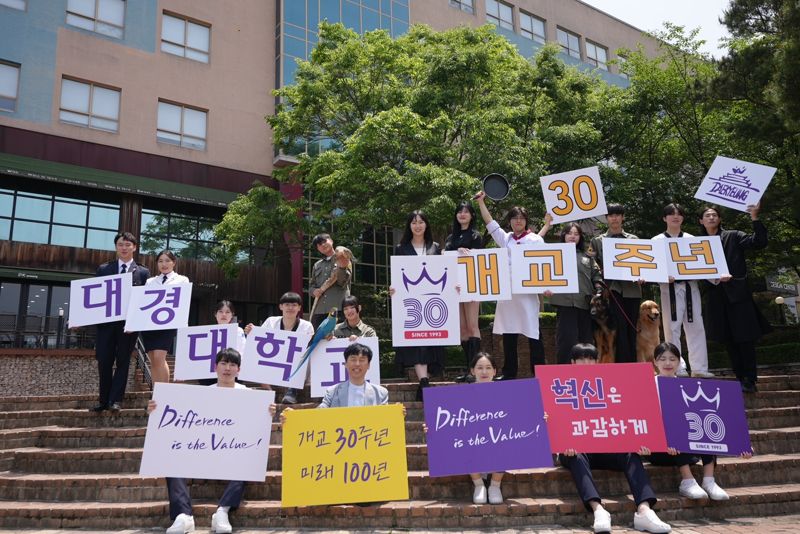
(140, 272)
(408, 250)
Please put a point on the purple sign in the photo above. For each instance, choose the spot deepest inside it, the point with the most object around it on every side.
(704, 416)
(486, 428)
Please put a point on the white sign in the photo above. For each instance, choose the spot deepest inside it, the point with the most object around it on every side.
(635, 259)
(483, 274)
(574, 195)
(98, 300)
(158, 307)
(270, 357)
(327, 364)
(208, 432)
(196, 349)
(696, 258)
(735, 184)
(541, 267)
(425, 302)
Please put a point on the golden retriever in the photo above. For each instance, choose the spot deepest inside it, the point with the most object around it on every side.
(648, 332)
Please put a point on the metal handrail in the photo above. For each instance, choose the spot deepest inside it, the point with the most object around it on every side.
(142, 362)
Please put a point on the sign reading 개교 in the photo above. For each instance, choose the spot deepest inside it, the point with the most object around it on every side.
(696, 258)
(574, 195)
(704, 417)
(486, 428)
(483, 274)
(270, 357)
(327, 363)
(208, 432)
(158, 307)
(344, 455)
(196, 349)
(635, 259)
(602, 407)
(735, 184)
(425, 302)
(544, 267)
(98, 300)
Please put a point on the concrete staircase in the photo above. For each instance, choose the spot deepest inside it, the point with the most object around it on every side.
(64, 467)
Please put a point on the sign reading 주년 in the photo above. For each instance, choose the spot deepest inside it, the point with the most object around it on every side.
(158, 307)
(486, 428)
(196, 349)
(704, 417)
(208, 432)
(425, 302)
(270, 357)
(735, 184)
(602, 407)
(98, 300)
(483, 274)
(635, 259)
(696, 258)
(327, 364)
(544, 267)
(344, 455)
(574, 195)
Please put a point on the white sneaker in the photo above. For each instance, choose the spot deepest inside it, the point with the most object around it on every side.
(220, 523)
(692, 490)
(703, 374)
(715, 492)
(682, 369)
(183, 523)
(649, 522)
(479, 496)
(602, 520)
(495, 495)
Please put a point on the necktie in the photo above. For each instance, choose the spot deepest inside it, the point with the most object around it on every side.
(124, 269)
(164, 279)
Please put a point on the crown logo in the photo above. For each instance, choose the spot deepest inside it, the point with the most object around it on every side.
(427, 289)
(710, 404)
(739, 170)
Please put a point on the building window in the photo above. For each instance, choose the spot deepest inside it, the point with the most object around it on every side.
(14, 4)
(181, 125)
(90, 105)
(187, 236)
(463, 5)
(9, 85)
(185, 38)
(57, 220)
(597, 55)
(531, 27)
(570, 43)
(499, 14)
(621, 67)
(101, 16)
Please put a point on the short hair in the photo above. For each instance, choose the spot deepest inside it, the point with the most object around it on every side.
(674, 207)
(358, 349)
(320, 238)
(615, 209)
(351, 300)
(583, 350)
(666, 346)
(480, 355)
(230, 356)
(290, 297)
(565, 230)
(168, 253)
(127, 236)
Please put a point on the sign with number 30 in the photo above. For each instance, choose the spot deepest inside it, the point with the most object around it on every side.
(574, 195)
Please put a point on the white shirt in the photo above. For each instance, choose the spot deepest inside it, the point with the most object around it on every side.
(127, 265)
(236, 385)
(172, 278)
(356, 395)
(274, 323)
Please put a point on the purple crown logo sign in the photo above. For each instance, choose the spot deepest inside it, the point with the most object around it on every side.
(733, 186)
(428, 288)
(707, 404)
(426, 316)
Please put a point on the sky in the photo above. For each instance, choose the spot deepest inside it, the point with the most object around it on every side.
(650, 15)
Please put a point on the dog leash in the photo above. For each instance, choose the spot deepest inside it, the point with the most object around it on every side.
(619, 306)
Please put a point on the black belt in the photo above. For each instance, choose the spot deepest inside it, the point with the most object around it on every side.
(673, 311)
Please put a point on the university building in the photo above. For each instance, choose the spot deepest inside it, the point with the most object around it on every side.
(148, 116)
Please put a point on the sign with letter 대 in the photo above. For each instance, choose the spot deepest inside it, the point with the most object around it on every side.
(98, 300)
(486, 428)
(344, 455)
(196, 349)
(602, 407)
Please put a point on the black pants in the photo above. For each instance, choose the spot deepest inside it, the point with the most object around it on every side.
(511, 365)
(581, 466)
(573, 326)
(668, 460)
(180, 502)
(113, 352)
(626, 332)
(743, 360)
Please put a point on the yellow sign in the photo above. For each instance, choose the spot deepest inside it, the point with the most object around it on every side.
(344, 455)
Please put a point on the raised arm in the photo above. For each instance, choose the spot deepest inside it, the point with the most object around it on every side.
(487, 217)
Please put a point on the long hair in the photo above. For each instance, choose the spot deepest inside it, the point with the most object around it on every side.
(407, 235)
(464, 205)
(565, 230)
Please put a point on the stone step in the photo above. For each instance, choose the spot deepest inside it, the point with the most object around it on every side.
(117, 486)
(415, 514)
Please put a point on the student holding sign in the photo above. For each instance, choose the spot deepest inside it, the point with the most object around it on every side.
(463, 238)
(582, 464)
(520, 315)
(180, 501)
(733, 318)
(223, 315)
(158, 342)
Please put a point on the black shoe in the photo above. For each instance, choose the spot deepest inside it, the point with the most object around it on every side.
(99, 407)
(470, 379)
(462, 378)
(423, 383)
(749, 387)
(114, 407)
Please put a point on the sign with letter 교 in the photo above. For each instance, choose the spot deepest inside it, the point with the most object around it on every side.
(327, 363)
(574, 195)
(344, 455)
(735, 184)
(425, 302)
(483, 274)
(704, 416)
(98, 300)
(541, 267)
